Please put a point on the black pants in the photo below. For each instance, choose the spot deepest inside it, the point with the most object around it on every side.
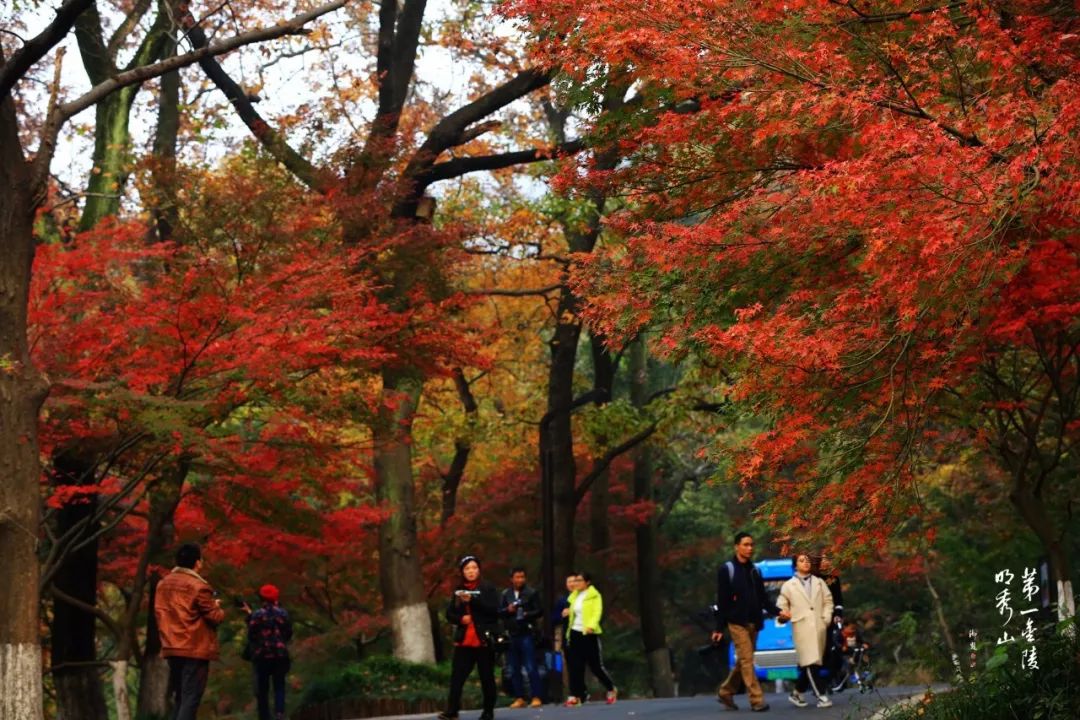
(465, 658)
(265, 672)
(584, 651)
(809, 678)
(187, 683)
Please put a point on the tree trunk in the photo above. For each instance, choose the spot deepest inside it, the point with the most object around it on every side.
(939, 612)
(400, 574)
(22, 390)
(599, 493)
(650, 602)
(1033, 510)
(163, 167)
(152, 703)
(79, 695)
(120, 689)
(112, 144)
(559, 440)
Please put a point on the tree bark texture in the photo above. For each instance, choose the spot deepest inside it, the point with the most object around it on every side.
(400, 573)
(79, 695)
(650, 602)
(22, 390)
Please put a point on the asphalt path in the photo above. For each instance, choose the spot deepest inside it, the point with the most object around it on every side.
(848, 705)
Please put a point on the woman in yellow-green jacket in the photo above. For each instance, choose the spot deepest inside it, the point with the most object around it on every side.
(583, 640)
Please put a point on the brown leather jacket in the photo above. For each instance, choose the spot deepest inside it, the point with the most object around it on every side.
(187, 616)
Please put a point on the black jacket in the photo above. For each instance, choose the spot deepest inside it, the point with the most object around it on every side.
(742, 600)
(524, 622)
(833, 583)
(484, 609)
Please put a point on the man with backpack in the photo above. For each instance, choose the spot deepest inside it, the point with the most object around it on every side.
(742, 606)
(269, 631)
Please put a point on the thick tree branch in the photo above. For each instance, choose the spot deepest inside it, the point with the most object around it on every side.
(462, 166)
(318, 180)
(37, 47)
(130, 23)
(137, 75)
(462, 447)
(94, 610)
(602, 464)
(452, 129)
(96, 59)
(399, 36)
(515, 293)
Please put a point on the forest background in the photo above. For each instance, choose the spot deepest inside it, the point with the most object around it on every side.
(330, 288)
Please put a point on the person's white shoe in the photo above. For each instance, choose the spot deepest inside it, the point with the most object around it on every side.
(796, 699)
(824, 702)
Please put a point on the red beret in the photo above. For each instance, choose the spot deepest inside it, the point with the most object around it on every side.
(269, 593)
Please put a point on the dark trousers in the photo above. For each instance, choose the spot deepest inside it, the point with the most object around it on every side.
(465, 659)
(585, 651)
(522, 653)
(809, 678)
(267, 671)
(187, 683)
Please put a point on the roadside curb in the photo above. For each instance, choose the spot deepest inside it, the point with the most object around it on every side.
(886, 712)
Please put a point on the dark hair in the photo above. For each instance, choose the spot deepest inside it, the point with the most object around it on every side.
(796, 556)
(849, 622)
(187, 555)
(517, 569)
(742, 534)
(465, 560)
(586, 577)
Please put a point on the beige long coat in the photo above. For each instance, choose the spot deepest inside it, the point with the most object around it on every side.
(810, 617)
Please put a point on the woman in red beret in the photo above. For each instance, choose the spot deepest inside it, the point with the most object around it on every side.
(269, 630)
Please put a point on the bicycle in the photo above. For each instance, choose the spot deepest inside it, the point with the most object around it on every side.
(855, 672)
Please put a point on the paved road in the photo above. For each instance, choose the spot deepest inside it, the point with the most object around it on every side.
(848, 705)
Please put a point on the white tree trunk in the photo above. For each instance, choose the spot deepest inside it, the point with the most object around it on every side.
(411, 629)
(1066, 603)
(120, 689)
(20, 681)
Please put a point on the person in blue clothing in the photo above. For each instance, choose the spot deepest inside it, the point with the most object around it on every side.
(520, 609)
(269, 631)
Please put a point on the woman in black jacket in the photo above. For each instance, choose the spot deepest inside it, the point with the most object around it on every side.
(474, 611)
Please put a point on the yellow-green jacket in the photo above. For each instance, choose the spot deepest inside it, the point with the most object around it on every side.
(591, 610)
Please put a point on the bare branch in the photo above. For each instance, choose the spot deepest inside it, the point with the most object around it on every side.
(141, 74)
(37, 47)
(515, 293)
(318, 180)
(462, 166)
(602, 464)
(94, 610)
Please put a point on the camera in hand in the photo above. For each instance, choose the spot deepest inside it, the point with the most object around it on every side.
(470, 593)
(238, 601)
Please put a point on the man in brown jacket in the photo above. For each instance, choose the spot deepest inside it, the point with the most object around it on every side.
(187, 616)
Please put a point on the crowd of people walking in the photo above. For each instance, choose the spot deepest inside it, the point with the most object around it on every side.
(487, 621)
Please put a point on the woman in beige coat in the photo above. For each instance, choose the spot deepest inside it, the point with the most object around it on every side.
(805, 600)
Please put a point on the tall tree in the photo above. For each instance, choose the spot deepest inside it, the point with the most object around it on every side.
(857, 222)
(25, 183)
(384, 166)
(650, 602)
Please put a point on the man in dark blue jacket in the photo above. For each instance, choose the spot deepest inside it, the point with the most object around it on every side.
(520, 610)
(742, 605)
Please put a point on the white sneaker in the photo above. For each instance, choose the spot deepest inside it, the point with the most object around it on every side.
(824, 702)
(796, 699)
